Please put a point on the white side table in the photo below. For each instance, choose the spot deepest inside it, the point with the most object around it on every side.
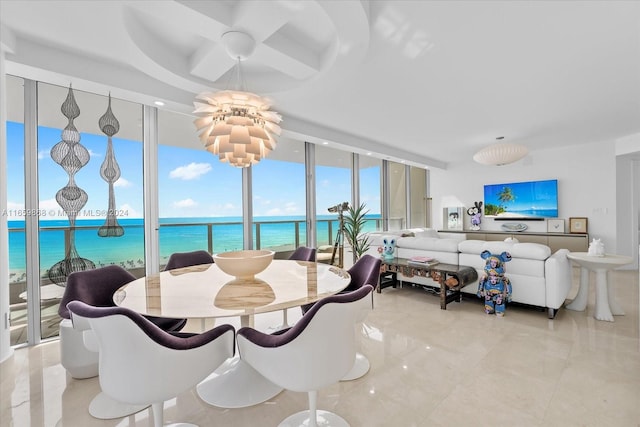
(606, 304)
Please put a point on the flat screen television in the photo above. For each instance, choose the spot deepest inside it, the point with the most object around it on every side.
(522, 200)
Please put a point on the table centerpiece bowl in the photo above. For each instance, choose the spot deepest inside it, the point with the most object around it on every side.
(243, 264)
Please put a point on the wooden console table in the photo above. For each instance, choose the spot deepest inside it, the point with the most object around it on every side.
(463, 274)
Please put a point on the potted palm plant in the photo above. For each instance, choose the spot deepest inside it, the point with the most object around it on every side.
(354, 221)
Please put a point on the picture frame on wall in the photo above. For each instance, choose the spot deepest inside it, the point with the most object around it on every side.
(453, 218)
(578, 225)
(555, 226)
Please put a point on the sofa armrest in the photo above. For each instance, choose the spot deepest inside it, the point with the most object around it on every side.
(558, 278)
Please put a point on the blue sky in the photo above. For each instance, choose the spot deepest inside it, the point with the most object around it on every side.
(193, 183)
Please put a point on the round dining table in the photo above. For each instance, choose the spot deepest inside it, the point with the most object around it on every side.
(205, 291)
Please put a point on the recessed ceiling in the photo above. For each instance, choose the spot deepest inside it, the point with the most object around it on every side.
(430, 82)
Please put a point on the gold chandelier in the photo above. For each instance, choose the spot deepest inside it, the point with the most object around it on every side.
(235, 125)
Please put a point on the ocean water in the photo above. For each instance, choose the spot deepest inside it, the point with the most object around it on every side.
(176, 235)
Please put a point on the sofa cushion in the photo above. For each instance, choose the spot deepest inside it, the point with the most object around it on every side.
(471, 246)
(428, 243)
(426, 232)
(531, 251)
(517, 250)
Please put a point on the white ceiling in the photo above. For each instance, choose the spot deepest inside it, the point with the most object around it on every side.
(431, 82)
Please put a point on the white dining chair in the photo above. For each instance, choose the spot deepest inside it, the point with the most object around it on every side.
(316, 352)
(140, 364)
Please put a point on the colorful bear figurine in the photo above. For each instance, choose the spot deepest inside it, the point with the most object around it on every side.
(494, 286)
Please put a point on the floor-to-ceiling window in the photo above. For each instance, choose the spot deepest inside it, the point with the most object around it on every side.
(333, 190)
(418, 198)
(370, 180)
(200, 198)
(397, 196)
(16, 210)
(90, 189)
(278, 190)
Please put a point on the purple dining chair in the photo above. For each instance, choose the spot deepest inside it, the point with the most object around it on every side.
(187, 259)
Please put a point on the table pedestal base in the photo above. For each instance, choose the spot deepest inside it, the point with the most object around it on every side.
(235, 384)
(606, 304)
(323, 419)
(579, 303)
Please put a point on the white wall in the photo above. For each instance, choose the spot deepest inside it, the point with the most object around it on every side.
(586, 177)
(628, 195)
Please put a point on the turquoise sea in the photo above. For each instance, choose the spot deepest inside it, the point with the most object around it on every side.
(176, 235)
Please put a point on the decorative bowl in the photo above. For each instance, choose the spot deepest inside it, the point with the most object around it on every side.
(243, 264)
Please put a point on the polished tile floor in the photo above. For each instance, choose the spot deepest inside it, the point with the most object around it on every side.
(430, 367)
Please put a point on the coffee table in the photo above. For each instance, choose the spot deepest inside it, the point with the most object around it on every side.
(464, 274)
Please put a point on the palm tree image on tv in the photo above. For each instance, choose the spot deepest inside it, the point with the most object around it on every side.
(505, 196)
(532, 199)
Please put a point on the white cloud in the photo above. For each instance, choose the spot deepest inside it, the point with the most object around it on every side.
(12, 209)
(50, 204)
(325, 183)
(14, 205)
(190, 171)
(44, 154)
(186, 203)
(274, 212)
(126, 211)
(121, 182)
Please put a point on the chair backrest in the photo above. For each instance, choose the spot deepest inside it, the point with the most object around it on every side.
(140, 363)
(304, 254)
(94, 287)
(366, 271)
(317, 351)
(187, 259)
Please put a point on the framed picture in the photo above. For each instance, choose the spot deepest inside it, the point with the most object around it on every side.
(555, 226)
(578, 225)
(453, 218)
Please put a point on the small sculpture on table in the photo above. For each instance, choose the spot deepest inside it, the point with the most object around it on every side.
(475, 213)
(494, 286)
(596, 248)
(388, 247)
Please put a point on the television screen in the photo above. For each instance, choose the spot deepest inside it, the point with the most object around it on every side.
(534, 199)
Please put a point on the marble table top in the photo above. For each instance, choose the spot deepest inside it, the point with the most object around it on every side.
(606, 261)
(204, 291)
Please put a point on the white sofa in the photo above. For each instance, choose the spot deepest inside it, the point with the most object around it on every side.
(539, 278)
